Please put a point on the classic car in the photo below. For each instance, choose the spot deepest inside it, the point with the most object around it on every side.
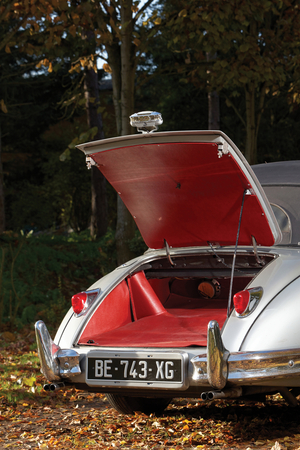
(211, 310)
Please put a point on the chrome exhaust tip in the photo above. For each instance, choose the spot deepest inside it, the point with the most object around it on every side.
(226, 393)
(204, 396)
(51, 387)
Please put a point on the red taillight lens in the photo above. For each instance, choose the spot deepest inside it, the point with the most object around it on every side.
(241, 301)
(79, 302)
(82, 302)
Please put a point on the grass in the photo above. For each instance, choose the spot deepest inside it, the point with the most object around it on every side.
(20, 377)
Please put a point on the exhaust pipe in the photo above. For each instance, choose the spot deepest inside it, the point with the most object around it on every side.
(226, 393)
(238, 391)
(53, 387)
(203, 396)
(288, 396)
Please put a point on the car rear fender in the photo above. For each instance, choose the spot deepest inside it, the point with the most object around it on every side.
(277, 326)
(274, 279)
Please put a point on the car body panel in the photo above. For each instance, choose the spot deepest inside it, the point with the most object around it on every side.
(187, 189)
(284, 321)
(274, 279)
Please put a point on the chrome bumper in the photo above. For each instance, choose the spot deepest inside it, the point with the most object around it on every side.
(55, 362)
(219, 367)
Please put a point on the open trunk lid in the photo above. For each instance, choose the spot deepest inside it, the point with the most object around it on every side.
(186, 188)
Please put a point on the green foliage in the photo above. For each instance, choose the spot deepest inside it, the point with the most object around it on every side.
(39, 274)
(137, 244)
(246, 48)
(40, 190)
(182, 104)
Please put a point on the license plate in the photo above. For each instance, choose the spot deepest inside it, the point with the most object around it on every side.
(140, 369)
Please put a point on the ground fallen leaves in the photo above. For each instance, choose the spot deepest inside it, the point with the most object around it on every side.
(71, 419)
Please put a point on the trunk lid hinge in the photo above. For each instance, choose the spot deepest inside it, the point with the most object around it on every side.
(168, 253)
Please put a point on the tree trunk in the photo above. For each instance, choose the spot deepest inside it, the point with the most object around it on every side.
(125, 224)
(213, 111)
(213, 103)
(127, 66)
(99, 200)
(251, 129)
(114, 58)
(2, 203)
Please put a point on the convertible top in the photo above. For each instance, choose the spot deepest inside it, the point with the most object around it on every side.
(283, 173)
(281, 183)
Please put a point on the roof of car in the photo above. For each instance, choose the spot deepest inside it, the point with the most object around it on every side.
(285, 173)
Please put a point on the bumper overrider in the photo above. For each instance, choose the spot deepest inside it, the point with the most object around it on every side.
(56, 364)
(217, 369)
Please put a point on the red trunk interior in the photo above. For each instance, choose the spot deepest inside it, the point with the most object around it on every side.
(155, 313)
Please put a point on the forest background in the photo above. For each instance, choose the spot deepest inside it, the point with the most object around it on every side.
(73, 71)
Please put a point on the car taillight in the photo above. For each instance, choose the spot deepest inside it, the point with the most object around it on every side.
(78, 302)
(82, 301)
(246, 301)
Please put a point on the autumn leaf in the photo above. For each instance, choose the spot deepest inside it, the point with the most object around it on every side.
(43, 62)
(183, 13)
(3, 106)
(29, 381)
(106, 67)
(72, 30)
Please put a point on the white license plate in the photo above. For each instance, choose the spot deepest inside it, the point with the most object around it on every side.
(140, 369)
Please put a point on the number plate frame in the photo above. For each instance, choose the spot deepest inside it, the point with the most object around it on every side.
(152, 369)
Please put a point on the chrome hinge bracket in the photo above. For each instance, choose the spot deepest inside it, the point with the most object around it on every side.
(90, 162)
(222, 149)
(257, 257)
(168, 253)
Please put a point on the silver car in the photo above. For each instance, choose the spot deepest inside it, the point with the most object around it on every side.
(212, 309)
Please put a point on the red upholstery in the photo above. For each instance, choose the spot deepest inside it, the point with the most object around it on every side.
(161, 288)
(164, 330)
(113, 312)
(183, 324)
(144, 300)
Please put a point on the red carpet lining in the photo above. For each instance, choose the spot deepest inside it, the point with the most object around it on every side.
(133, 315)
(173, 328)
